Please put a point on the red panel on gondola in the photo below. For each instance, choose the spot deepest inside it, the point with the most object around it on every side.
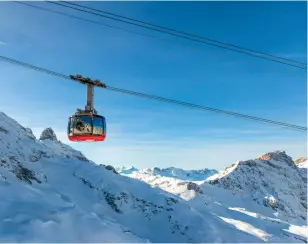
(87, 138)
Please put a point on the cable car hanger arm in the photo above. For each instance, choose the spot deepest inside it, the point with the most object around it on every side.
(87, 81)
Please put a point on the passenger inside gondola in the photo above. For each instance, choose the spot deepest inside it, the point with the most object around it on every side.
(81, 125)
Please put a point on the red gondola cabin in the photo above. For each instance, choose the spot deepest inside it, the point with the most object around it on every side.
(86, 127)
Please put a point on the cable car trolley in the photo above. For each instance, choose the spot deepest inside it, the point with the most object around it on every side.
(87, 125)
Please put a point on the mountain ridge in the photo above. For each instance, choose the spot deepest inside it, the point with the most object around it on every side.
(53, 193)
(173, 172)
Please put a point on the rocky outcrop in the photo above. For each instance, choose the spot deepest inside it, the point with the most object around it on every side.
(191, 186)
(279, 156)
(301, 162)
(111, 168)
(48, 134)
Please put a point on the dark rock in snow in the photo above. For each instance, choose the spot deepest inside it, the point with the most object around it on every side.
(48, 134)
(195, 187)
(109, 167)
(25, 174)
(2, 129)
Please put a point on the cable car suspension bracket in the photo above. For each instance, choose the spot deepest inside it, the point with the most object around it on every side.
(87, 81)
(89, 108)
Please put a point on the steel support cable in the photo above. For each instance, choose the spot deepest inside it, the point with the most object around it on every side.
(185, 33)
(87, 20)
(30, 66)
(177, 35)
(118, 28)
(200, 107)
(129, 31)
(189, 105)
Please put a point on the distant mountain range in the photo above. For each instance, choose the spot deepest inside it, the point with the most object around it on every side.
(172, 172)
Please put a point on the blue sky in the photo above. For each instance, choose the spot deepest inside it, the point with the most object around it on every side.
(147, 133)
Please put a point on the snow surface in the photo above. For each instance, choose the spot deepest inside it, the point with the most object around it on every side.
(248, 228)
(53, 193)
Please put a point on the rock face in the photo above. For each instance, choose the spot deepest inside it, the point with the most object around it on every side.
(48, 134)
(191, 186)
(272, 180)
(109, 167)
(301, 162)
(278, 156)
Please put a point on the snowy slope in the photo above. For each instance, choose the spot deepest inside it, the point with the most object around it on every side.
(52, 193)
(272, 180)
(246, 194)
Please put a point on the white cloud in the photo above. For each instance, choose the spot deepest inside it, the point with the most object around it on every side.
(3, 43)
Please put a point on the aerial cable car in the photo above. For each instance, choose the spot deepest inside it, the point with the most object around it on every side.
(86, 125)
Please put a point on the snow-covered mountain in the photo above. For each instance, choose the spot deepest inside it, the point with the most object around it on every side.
(272, 180)
(171, 172)
(301, 162)
(53, 193)
(173, 180)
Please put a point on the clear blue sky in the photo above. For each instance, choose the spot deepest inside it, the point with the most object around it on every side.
(147, 133)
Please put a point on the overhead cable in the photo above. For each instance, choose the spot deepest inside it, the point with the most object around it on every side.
(185, 33)
(182, 36)
(167, 100)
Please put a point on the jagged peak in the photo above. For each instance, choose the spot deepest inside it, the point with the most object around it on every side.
(126, 168)
(48, 134)
(300, 160)
(277, 156)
